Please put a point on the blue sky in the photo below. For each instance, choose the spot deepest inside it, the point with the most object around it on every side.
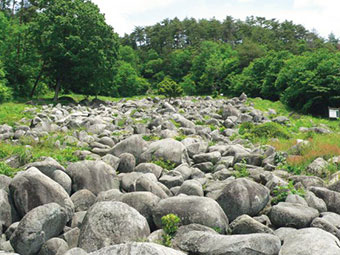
(124, 15)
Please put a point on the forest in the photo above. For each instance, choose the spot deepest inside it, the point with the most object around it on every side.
(66, 46)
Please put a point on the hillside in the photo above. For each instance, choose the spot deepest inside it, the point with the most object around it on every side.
(220, 169)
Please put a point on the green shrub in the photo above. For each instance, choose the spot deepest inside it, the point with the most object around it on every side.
(169, 88)
(281, 192)
(165, 164)
(263, 131)
(5, 93)
(7, 170)
(241, 170)
(170, 224)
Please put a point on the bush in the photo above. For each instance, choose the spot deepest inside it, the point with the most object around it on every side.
(170, 224)
(5, 93)
(281, 192)
(169, 88)
(263, 131)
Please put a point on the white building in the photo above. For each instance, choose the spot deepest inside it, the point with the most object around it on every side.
(334, 113)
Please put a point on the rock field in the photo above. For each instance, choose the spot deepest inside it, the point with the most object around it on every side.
(149, 158)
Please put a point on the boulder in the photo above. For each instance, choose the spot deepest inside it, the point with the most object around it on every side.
(149, 168)
(192, 209)
(331, 198)
(83, 199)
(5, 211)
(95, 176)
(287, 214)
(167, 150)
(47, 166)
(310, 241)
(191, 188)
(108, 223)
(137, 248)
(32, 188)
(54, 246)
(134, 144)
(127, 163)
(38, 225)
(318, 167)
(244, 224)
(242, 196)
(204, 243)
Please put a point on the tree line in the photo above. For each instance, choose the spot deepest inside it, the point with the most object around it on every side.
(66, 45)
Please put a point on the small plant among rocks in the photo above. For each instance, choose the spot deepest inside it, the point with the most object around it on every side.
(241, 170)
(281, 192)
(170, 224)
(165, 164)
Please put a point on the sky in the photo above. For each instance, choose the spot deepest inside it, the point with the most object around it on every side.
(320, 15)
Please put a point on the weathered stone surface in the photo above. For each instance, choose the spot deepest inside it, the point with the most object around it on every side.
(242, 196)
(5, 211)
(133, 144)
(310, 241)
(54, 246)
(199, 242)
(32, 188)
(96, 176)
(149, 168)
(137, 248)
(331, 198)
(108, 223)
(168, 150)
(292, 215)
(38, 225)
(192, 209)
(191, 188)
(127, 163)
(83, 199)
(244, 224)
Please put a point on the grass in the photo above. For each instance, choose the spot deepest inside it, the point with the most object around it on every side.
(11, 113)
(165, 164)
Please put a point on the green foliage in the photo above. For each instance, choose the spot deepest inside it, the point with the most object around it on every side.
(266, 131)
(311, 82)
(169, 88)
(180, 137)
(170, 224)
(151, 138)
(281, 192)
(6, 170)
(241, 170)
(165, 164)
(5, 92)
(10, 113)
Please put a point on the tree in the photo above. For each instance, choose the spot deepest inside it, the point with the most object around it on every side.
(169, 88)
(5, 92)
(78, 48)
(311, 82)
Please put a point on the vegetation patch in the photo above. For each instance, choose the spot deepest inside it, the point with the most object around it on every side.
(281, 192)
(170, 224)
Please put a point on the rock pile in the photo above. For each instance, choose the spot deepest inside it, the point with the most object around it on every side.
(147, 159)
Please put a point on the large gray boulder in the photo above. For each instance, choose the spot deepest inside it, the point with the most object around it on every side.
(54, 246)
(38, 225)
(143, 202)
(318, 167)
(331, 198)
(168, 150)
(137, 248)
(245, 224)
(32, 188)
(192, 209)
(47, 166)
(5, 211)
(293, 215)
(149, 168)
(134, 144)
(243, 196)
(83, 199)
(310, 241)
(96, 176)
(204, 243)
(108, 223)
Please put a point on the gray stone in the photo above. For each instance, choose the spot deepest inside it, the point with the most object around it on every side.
(315, 202)
(32, 188)
(242, 196)
(76, 251)
(10, 230)
(137, 248)
(192, 209)
(332, 218)
(244, 224)
(143, 202)
(108, 223)
(54, 246)
(172, 179)
(325, 225)
(5, 211)
(77, 219)
(212, 157)
(4, 182)
(47, 166)
(109, 195)
(83, 199)
(144, 183)
(296, 199)
(168, 150)
(134, 144)
(283, 233)
(314, 241)
(127, 163)
(71, 237)
(199, 242)
(149, 168)
(111, 160)
(318, 167)
(331, 198)
(292, 215)
(63, 179)
(191, 188)
(38, 225)
(96, 176)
